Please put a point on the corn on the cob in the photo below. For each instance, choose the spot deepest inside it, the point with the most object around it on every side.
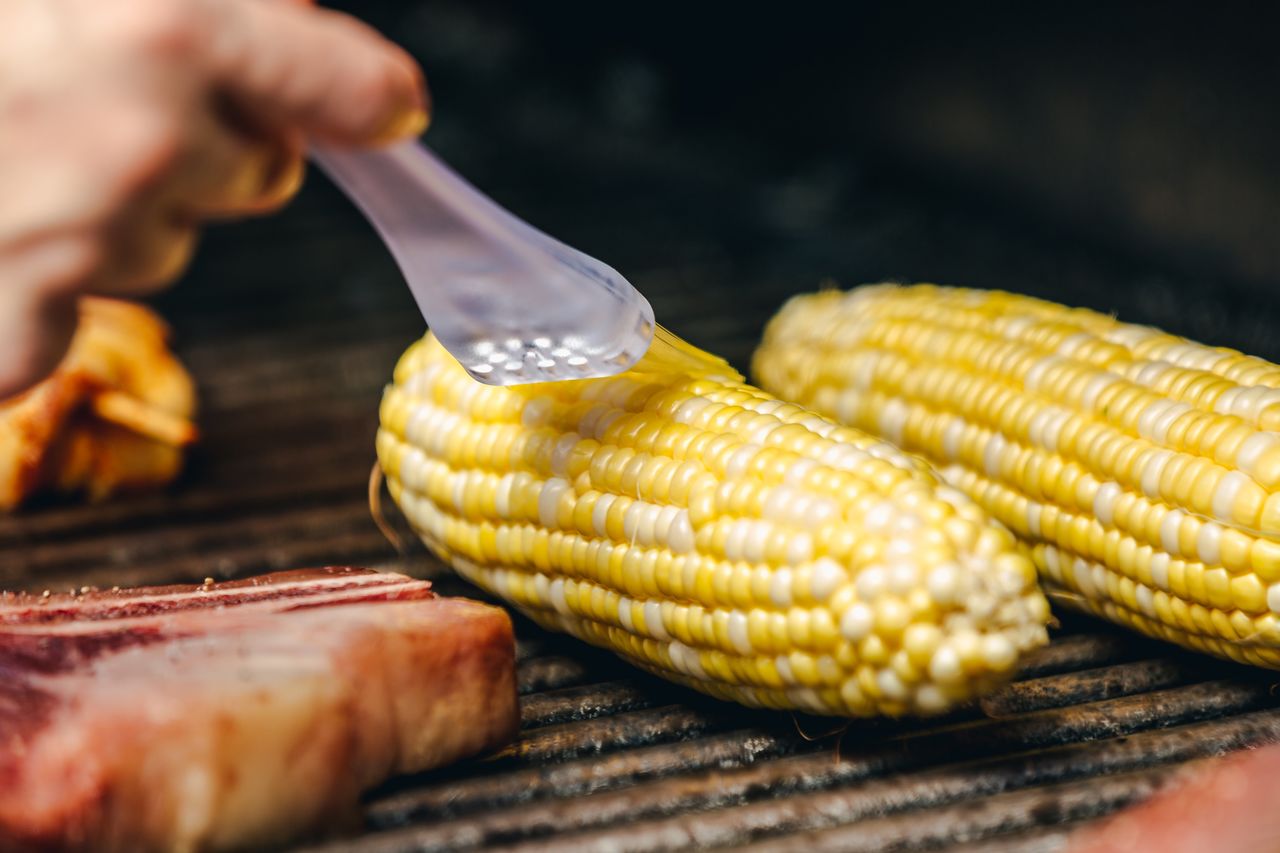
(1144, 469)
(711, 534)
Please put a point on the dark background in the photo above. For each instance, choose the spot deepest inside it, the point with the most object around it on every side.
(1111, 155)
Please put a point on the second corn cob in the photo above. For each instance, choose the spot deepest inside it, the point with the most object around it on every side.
(1144, 469)
(712, 534)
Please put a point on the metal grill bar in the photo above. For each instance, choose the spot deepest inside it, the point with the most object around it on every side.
(583, 703)
(607, 734)
(549, 673)
(1039, 840)
(1078, 651)
(1103, 683)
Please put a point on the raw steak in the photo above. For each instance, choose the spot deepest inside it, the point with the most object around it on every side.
(236, 714)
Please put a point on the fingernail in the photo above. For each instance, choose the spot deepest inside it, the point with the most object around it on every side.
(405, 124)
(283, 179)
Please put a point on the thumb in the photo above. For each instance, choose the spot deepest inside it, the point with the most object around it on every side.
(38, 321)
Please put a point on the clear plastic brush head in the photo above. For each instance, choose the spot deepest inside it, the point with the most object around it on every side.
(549, 354)
(511, 304)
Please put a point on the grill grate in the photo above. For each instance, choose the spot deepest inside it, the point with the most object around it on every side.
(630, 763)
(610, 759)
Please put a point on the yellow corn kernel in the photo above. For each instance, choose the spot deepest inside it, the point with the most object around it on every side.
(1144, 469)
(709, 533)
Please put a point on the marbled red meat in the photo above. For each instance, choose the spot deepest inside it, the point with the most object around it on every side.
(237, 714)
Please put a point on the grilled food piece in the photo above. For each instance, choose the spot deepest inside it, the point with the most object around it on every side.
(236, 715)
(116, 414)
(1142, 468)
(711, 534)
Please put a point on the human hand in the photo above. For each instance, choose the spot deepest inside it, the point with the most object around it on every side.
(1217, 804)
(124, 125)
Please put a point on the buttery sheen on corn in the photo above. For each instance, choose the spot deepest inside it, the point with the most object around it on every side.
(711, 534)
(1143, 468)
